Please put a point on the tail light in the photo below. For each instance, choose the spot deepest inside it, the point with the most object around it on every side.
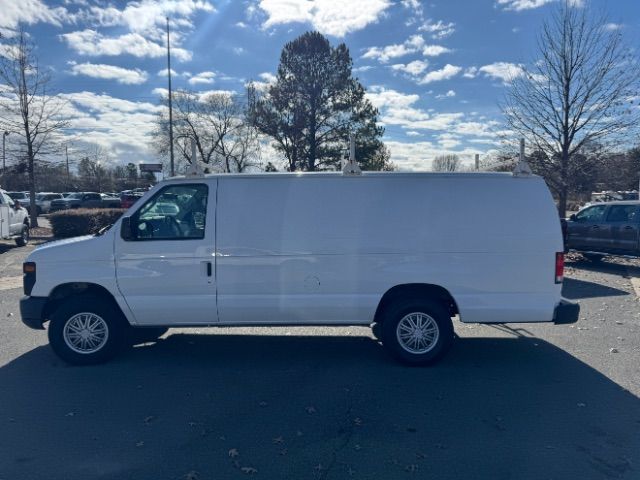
(559, 267)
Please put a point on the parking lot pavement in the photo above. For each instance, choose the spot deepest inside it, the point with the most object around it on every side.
(522, 401)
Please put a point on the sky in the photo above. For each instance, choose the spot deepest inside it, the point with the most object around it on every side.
(436, 69)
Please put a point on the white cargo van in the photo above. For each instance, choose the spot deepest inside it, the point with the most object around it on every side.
(402, 252)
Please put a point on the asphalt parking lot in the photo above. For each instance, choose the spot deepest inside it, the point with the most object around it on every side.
(512, 402)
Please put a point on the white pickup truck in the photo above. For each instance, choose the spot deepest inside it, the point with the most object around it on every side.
(403, 252)
(14, 220)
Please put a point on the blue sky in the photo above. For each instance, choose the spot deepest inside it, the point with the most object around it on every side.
(435, 69)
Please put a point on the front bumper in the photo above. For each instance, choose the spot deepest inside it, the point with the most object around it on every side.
(566, 312)
(31, 311)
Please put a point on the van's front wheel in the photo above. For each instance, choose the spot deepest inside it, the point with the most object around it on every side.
(417, 332)
(85, 331)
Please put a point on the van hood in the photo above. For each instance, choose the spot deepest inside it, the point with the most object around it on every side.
(74, 249)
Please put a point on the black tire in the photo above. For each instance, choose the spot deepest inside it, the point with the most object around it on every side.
(112, 319)
(145, 334)
(593, 257)
(437, 318)
(23, 239)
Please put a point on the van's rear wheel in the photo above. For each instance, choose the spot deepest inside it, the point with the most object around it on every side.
(86, 330)
(417, 332)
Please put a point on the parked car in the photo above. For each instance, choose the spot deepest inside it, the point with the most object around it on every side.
(14, 220)
(43, 201)
(85, 200)
(129, 198)
(22, 197)
(403, 252)
(605, 228)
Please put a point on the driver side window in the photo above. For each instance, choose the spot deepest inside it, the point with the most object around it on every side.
(177, 212)
(591, 214)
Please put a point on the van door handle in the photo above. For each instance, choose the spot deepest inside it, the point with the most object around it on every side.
(209, 269)
(628, 227)
(595, 227)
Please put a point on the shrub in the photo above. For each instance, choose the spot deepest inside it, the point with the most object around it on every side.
(82, 221)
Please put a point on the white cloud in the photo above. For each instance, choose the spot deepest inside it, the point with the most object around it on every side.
(91, 43)
(241, 25)
(110, 72)
(123, 127)
(412, 68)
(434, 50)
(504, 71)
(238, 50)
(147, 17)
(15, 12)
(470, 72)
(164, 72)
(449, 94)
(445, 73)
(519, 5)
(384, 54)
(331, 17)
(439, 29)
(268, 77)
(449, 140)
(202, 77)
(613, 26)
(418, 156)
(400, 110)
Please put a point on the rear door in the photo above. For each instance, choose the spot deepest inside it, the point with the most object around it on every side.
(622, 229)
(584, 233)
(166, 271)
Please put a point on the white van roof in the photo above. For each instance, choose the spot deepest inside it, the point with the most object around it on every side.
(502, 175)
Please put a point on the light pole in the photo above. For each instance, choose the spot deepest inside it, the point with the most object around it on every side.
(4, 159)
(173, 169)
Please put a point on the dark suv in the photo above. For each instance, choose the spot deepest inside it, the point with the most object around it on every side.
(607, 228)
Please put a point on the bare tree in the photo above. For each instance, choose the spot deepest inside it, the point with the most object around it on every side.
(224, 140)
(577, 92)
(26, 108)
(446, 163)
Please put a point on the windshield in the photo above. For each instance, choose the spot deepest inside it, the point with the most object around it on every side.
(75, 195)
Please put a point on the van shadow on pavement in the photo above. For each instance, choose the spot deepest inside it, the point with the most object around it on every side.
(575, 289)
(315, 407)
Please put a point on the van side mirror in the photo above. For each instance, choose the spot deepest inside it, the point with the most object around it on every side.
(573, 217)
(125, 229)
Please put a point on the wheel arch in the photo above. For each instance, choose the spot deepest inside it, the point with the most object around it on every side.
(68, 290)
(416, 290)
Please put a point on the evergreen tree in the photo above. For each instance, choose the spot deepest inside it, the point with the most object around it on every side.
(314, 104)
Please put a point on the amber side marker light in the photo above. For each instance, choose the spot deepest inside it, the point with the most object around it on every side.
(29, 267)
